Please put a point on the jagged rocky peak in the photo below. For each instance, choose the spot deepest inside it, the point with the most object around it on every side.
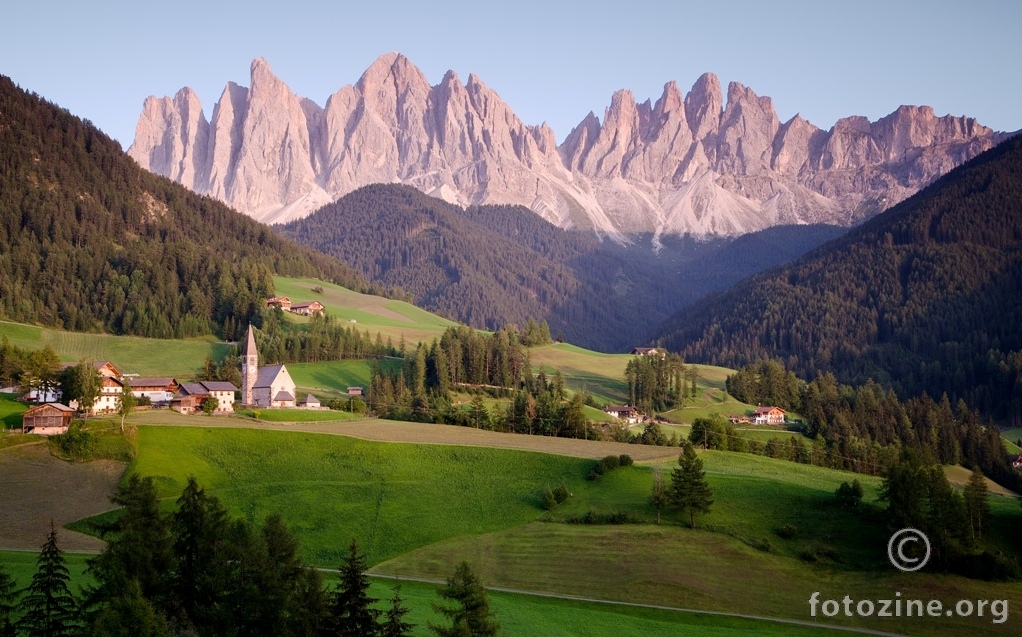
(695, 163)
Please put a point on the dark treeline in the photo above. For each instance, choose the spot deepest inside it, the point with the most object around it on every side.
(198, 572)
(490, 265)
(922, 298)
(658, 383)
(323, 338)
(865, 428)
(28, 368)
(484, 364)
(91, 242)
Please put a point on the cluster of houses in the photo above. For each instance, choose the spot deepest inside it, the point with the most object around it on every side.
(267, 386)
(762, 415)
(305, 308)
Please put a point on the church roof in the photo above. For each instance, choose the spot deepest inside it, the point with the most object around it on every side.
(250, 346)
(283, 395)
(267, 375)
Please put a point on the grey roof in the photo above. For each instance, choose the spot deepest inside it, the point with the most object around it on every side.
(56, 406)
(267, 375)
(218, 385)
(250, 346)
(192, 389)
(283, 395)
(151, 382)
(308, 400)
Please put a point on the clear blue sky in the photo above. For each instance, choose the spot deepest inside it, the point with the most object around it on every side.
(551, 61)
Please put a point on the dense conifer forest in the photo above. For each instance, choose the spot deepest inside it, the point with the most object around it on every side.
(89, 241)
(489, 266)
(924, 297)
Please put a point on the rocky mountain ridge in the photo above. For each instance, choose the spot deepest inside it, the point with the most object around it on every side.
(686, 164)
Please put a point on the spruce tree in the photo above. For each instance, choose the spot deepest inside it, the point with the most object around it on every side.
(689, 490)
(977, 505)
(351, 609)
(8, 599)
(48, 608)
(396, 626)
(471, 615)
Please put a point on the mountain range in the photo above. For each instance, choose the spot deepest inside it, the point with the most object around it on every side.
(685, 164)
(924, 297)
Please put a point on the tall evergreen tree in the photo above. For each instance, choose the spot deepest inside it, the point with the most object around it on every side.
(977, 505)
(8, 603)
(689, 490)
(200, 528)
(396, 626)
(130, 615)
(48, 607)
(470, 615)
(351, 609)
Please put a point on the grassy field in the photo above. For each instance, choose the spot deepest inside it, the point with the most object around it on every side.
(376, 314)
(518, 615)
(10, 411)
(132, 355)
(392, 498)
(761, 433)
(297, 415)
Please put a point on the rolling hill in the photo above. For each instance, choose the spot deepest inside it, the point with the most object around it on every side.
(923, 297)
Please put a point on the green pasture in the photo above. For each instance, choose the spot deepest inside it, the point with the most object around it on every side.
(10, 411)
(519, 615)
(296, 415)
(391, 497)
(377, 314)
(131, 354)
(336, 376)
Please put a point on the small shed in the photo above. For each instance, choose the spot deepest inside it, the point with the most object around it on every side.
(49, 419)
(309, 402)
(354, 391)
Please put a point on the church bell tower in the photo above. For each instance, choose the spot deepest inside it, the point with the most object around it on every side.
(249, 368)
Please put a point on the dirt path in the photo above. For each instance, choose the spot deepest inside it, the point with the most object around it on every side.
(38, 488)
(422, 433)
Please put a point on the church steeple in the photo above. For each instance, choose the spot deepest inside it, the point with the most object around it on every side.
(249, 368)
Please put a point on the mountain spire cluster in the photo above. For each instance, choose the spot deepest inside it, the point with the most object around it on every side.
(694, 163)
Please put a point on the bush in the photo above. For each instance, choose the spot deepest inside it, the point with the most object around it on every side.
(849, 496)
(608, 464)
(625, 460)
(787, 532)
(561, 494)
(77, 444)
(594, 517)
(549, 499)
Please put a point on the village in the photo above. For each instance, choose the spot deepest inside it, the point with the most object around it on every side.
(264, 387)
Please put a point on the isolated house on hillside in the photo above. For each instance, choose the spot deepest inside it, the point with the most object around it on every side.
(50, 419)
(282, 302)
(768, 416)
(269, 386)
(307, 308)
(628, 414)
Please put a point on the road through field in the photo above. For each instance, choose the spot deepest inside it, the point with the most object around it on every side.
(425, 433)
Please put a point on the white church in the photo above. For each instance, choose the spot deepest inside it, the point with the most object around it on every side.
(269, 386)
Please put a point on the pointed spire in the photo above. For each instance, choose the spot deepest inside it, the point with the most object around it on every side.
(250, 346)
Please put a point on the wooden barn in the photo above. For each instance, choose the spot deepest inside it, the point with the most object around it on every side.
(49, 419)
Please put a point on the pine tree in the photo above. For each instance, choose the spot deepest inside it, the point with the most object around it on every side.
(8, 599)
(689, 490)
(471, 615)
(130, 615)
(977, 505)
(396, 626)
(351, 611)
(48, 608)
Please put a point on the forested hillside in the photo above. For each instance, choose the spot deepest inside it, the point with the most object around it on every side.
(925, 297)
(89, 241)
(489, 266)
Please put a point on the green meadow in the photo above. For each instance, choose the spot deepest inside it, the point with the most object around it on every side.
(10, 411)
(131, 354)
(296, 415)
